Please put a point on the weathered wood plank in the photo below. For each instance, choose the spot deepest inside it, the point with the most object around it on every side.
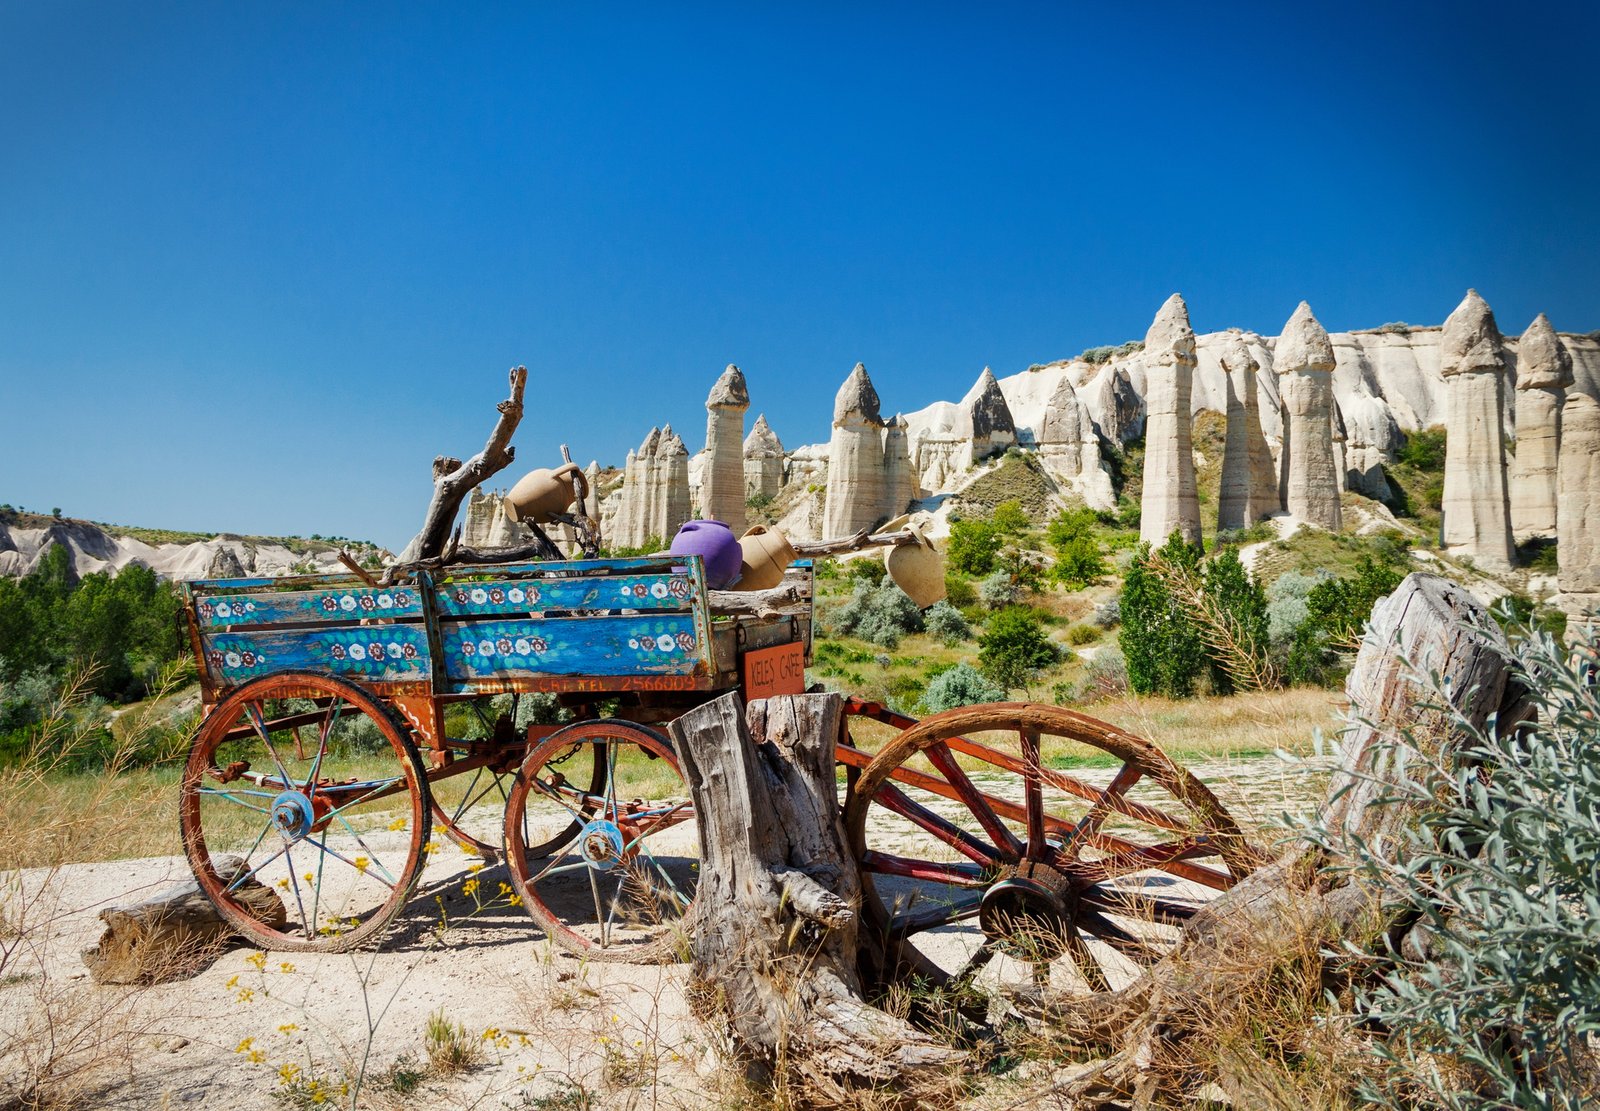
(505, 597)
(341, 603)
(632, 644)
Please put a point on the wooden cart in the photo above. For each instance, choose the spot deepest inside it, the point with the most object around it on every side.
(347, 721)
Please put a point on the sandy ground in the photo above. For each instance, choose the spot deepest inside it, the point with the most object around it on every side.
(252, 1029)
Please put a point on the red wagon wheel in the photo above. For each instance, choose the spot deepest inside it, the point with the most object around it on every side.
(975, 850)
(308, 786)
(608, 872)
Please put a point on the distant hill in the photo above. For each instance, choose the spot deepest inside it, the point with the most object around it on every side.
(93, 546)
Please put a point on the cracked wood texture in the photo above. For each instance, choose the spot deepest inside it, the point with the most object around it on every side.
(774, 933)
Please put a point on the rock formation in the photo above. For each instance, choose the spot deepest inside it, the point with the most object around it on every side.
(1339, 437)
(1544, 371)
(1121, 409)
(1169, 502)
(1249, 479)
(763, 461)
(899, 476)
(722, 495)
(486, 524)
(989, 425)
(1069, 449)
(1476, 504)
(856, 487)
(1578, 509)
(1303, 359)
(654, 499)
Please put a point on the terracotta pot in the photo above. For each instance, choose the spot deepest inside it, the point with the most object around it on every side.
(715, 543)
(539, 495)
(917, 568)
(767, 553)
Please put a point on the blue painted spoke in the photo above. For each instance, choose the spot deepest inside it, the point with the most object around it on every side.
(377, 789)
(368, 851)
(294, 881)
(551, 869)
(553, 794)
(259, 723)
(345, 859)
(656, 864)
(599, 915)
(238, 802)
(245, 877)
(322, 745)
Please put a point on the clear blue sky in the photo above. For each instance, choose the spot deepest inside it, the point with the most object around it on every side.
(259, 263)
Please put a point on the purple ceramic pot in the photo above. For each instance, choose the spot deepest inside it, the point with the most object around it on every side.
(715, 543)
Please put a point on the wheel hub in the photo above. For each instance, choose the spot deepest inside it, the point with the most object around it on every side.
(601, 845)
(1030, 911)
(293, 814)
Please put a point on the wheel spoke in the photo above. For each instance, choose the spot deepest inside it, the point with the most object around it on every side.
(366, 849)
(1134, 904)
(893, 799)
(1005, 841)
(1033, 792)
(599, 915)
(346, 860)
(328, 722)
(1092, 821)
(294, 882)
(1083, 959)
(379, 791)
(240, 802)
(258, 722)
(244, 877)
(1121, 940)
(934, 914)
(958, 875)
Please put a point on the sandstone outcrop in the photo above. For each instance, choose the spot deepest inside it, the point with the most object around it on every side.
(1578, 497)
(1069, 448)
(486, 524)
(989, 426)
(1120, 407)
(1303, 360)
(899, 474)
(857, 490)
(654, 499)
(763, 461)
(1476, 504)
(1339, 438)
(1169, 502)
(1249, 478)
(1544, 371)
(722, 487)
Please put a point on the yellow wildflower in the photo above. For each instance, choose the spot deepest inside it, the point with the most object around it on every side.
(398, 824)
(244, 1046)
(474, 869)
(288, 1028)
(288, 1072)
(469, 887)
(361, 863)
(285, 966)
(258, 959)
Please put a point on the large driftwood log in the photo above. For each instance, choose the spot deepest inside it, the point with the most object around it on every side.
(173, 934)
(775, 917)
(453, 480)
(1429, 626)
(853, 543)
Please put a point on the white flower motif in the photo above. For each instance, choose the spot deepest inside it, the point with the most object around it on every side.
(386, 601)
(659, 589)
(633, 642)
(347, 603)
(522, 646)
(665, 642)
(486, 648)
(232, 659)
(395, 650)
(479, 596)
(249, 607)
(515, 594)
(224, 610)
(358, 652)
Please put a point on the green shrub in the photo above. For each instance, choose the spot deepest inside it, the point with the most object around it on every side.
(960, 685)
(1238, 601)
(1286, 604)
(958, 591)
(1160, 643)
(1079, 562)
(1336, 612)
(998, 591)
(866, 569)
(1079, 635)
(1424, 449)
(881, 614)
(947, 623)
(1501, 1009)
(1014, 647)
(975, 542)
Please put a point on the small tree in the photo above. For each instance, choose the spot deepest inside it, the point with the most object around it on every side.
(1014, 647)
(1078, 560)
(1239, 605)
(1163, 649)
(961, 685)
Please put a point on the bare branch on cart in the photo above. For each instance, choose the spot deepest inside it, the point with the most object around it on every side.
(453, 480)
(855, 543)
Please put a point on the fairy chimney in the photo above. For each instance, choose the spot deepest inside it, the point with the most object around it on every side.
(899, 476)
(1578, 497)
(1169, 503)
(1544, 371)
(1477, 503)
(673, 507)
(1249, 479)
(856, 489)
(1303, 359)
(1069, 450)
(722, 495)
(988, 417)
(763, 461)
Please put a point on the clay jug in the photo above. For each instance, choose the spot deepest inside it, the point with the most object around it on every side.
(539, 495)
(767, 554)
(917, 568)
(715, 543)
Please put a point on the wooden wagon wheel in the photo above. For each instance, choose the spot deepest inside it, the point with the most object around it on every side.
(609, 873)
(318, 788)
(975, 850)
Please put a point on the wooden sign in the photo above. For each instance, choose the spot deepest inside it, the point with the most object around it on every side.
(780, 669)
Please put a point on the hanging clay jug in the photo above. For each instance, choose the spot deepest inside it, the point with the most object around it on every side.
(917, 568)
(767, 554)
(539, 495)
(715, 543)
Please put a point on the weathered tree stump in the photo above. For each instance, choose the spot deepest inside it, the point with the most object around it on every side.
(173, 934)
(1429, 626)
(775, 920)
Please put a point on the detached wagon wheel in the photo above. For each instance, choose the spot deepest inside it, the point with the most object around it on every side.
(976, 850)
(317, 788)
(608, 871)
